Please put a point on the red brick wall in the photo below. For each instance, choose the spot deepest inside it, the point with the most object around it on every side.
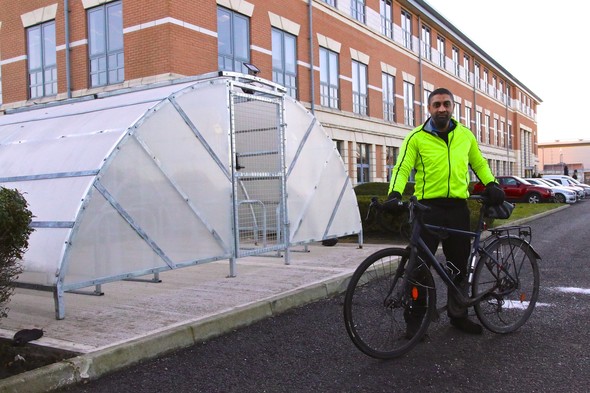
(169, 48)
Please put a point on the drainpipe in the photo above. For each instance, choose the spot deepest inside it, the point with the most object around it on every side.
(67, 39)
(507, 139)
(420, 74)
(311, 79)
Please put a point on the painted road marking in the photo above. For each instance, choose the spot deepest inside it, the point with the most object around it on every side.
(584, 291)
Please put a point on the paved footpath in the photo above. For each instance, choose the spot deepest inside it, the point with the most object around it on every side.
(138, 320)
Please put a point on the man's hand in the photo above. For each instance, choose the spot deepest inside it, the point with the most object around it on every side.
(394, 203)
(494, 194)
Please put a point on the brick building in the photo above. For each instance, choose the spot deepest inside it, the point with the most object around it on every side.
(363, 67)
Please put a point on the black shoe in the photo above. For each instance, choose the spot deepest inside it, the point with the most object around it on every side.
(466, 325)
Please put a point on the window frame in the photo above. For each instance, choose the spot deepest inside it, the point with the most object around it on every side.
(409, 112)
(386, 13)
(360, 86)
(45, 74)
(357, 10)
(426, 42)
(329, 92)
(236, 21)
(363, 163)
(113, 58)
(388, 93)
(406, 26)
(440, 47)
(282, 75)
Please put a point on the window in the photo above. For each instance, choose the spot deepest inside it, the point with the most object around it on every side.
(476, 75)
(501, 90)
(359, 88)
(340, 147)
(502, 137)
(456, 60)
(487, 128)
(329, 78)
(496, 132)
(509, 136)
(331, 2)
(105, 44)
(386, 19)
(440, 46)
(233, 40)
(485, 82)
(390, 157)
(425, 43)
(466, 68)
(388, 88)
(284, 61)
(468, 116)
(409, 104)
(478, 125)
(407, 29)
(357, 9)
(457, 112)
(362, 163)
(425, 113)
(494, 86)
(42, 60)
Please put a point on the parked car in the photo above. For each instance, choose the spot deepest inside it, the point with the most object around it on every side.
(586, 187)
(519, 190)
(571, 182)
(562, 194)
(579, 191)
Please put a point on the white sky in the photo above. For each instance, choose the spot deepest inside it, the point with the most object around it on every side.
(543, 44)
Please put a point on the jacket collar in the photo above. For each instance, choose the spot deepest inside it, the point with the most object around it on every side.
(429, 126)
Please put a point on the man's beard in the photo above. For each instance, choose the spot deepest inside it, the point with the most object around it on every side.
(441, 121)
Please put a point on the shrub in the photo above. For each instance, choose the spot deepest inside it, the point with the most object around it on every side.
(15, 218)
(387, 225)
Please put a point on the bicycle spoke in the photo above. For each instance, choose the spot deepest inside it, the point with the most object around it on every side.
(508, 267)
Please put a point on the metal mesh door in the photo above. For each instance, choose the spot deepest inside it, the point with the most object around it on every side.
(258, 174)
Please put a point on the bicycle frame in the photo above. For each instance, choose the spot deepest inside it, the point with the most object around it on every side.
(417, 244)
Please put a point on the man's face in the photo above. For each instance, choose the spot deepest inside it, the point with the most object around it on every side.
(441, 108)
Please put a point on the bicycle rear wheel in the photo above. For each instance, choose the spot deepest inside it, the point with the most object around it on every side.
(510, 267)
(376, 307)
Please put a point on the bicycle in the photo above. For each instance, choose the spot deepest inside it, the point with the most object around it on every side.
(503, 275)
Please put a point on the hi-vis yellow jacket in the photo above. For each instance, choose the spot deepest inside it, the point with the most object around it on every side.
(441, 168)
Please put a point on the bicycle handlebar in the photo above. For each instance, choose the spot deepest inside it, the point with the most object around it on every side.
(412, 204)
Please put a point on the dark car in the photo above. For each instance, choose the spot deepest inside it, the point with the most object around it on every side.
(518, 189)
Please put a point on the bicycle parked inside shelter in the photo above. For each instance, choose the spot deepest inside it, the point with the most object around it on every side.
(502, 278)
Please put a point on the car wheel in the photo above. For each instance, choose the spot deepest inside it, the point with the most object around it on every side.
(560, 198)
(534, 198)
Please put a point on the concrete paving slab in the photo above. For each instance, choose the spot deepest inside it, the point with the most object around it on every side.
(137, 320)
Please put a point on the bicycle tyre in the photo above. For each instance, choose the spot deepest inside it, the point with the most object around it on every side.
(374, 322)
(516, 285)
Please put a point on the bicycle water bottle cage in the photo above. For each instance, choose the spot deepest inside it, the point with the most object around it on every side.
(452, 270)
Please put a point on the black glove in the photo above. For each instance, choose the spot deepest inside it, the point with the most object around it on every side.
(394, 202)
(494, 194)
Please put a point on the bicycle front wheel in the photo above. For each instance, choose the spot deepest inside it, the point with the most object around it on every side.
(384, 316)
(509, 267)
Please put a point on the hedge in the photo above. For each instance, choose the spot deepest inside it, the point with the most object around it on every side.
(15, 220)
(386, 225)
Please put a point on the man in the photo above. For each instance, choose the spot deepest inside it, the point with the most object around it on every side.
(441, 151)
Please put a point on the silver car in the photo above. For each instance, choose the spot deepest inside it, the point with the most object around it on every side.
(562, 194)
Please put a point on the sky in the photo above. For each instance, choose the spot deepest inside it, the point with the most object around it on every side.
(543, 45)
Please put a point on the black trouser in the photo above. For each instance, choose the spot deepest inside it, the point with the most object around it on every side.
(452, 213)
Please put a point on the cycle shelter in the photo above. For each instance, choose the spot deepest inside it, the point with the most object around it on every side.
(127, 184)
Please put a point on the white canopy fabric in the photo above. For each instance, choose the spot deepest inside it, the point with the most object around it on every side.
(132, 183)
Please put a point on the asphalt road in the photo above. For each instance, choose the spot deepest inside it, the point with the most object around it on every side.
(307, 349)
